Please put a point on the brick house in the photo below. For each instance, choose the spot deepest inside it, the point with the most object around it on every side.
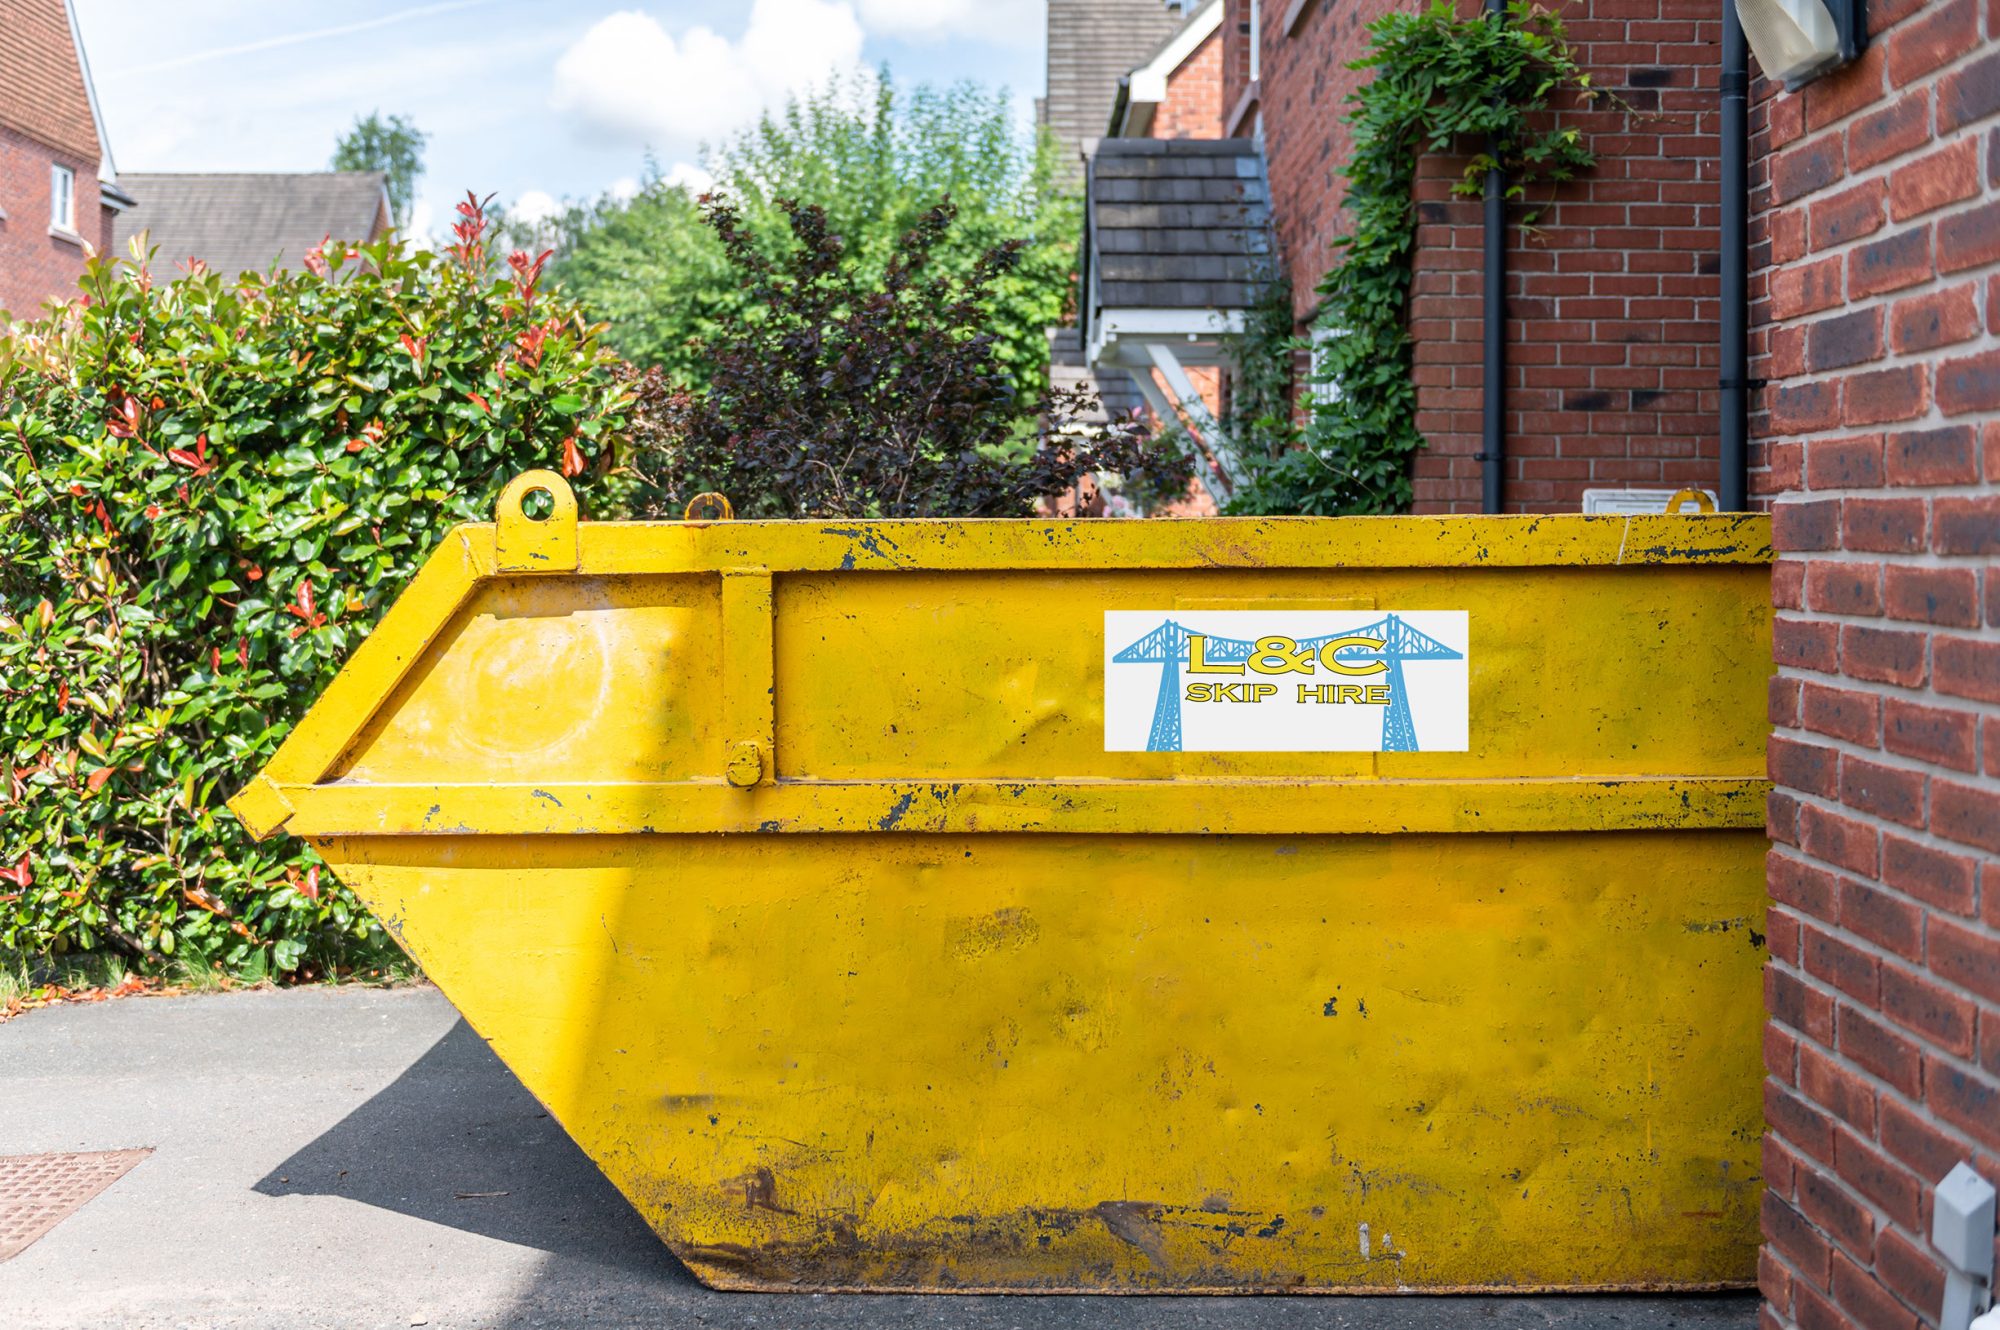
(1177, 92)
(58, 188)
(1611, 360)
(1872, 284)
(1875, 288)
(1092, 45)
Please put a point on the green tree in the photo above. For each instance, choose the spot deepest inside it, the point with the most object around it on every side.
(875, 160)
(395, 147)
(843, 396)
(209, 493)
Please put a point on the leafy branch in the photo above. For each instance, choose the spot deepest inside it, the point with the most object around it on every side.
(1440, 80)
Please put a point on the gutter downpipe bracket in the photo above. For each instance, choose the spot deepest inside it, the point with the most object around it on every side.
(1734, 370)
(1493, 357)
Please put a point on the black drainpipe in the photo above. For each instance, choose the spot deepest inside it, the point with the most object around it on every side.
(1492, 423)
(1735, 368)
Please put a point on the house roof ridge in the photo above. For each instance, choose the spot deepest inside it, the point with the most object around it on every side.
(250, 175)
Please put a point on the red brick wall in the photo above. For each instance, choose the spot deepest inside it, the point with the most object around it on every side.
(34, 265)
(1612, 302)
(1235, 34)
(1611, 305)
(1303, 83)
(1193, 108)
(1876, 304)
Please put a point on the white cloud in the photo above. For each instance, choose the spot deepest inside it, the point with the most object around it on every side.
(1013, 22)
(533, 207)
(627, 79)
(689, 177)
(625, 188)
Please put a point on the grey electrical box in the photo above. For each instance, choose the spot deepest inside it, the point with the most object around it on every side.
(1962, 1221)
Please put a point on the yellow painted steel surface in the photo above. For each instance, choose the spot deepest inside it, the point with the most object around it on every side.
(784, 862)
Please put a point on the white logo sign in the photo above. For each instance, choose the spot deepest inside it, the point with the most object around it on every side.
(1245, 681)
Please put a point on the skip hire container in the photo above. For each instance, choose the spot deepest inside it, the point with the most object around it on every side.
(1184, 906)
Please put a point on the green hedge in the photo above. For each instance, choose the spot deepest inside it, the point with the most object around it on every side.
(208, 493)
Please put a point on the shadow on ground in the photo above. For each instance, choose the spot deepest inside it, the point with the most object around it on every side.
(456, 1140)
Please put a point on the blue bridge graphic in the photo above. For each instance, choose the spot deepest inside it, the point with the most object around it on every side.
(1168, 645)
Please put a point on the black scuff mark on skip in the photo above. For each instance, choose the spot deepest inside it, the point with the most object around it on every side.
(1687, 553)
(544, 794)
(895, 814)
(869, 539)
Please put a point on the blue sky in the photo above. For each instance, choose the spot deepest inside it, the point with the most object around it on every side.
(534, 101)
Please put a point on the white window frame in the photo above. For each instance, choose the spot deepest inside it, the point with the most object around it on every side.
(1322, 392)
(62, 198)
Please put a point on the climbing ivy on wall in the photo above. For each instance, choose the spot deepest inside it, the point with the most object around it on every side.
(1440, 80)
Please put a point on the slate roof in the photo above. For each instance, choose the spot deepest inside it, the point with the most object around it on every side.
(239, 223)
(1177, 224)
(1091, 45)
(42, 92)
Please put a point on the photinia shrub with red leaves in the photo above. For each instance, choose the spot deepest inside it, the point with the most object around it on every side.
(208, 493)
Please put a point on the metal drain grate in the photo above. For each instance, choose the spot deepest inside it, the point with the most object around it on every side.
(37, 1192)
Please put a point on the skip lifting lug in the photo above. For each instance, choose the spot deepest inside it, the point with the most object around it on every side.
(524, 544)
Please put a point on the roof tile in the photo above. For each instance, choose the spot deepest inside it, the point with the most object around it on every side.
(250, 223)
(41, 79)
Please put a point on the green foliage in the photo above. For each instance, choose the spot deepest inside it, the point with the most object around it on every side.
(842, 395)
(395, 147)
(1440, 80)
(1280, 476)
(875, 159)
(208, 494)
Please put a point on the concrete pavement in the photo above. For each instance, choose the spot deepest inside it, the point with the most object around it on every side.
(349, 1157)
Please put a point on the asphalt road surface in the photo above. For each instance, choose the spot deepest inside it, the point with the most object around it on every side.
(330, 1157)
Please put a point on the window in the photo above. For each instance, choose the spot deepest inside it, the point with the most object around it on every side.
(62, 198)
(1323, 391)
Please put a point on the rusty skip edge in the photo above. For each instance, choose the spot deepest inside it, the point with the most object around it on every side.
(745, 555)
(838, 1259)
(713, 1278)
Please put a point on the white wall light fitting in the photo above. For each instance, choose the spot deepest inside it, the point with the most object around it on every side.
(1796, 41)
(1962, 1227)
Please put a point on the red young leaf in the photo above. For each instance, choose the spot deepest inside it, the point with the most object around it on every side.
(196, 461)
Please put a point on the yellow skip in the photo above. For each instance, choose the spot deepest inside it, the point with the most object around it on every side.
(788, 864)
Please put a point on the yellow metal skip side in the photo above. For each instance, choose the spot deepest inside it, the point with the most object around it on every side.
(785, 864)
(1133, 1063)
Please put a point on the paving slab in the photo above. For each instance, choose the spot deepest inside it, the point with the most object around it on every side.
(355, 1157)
